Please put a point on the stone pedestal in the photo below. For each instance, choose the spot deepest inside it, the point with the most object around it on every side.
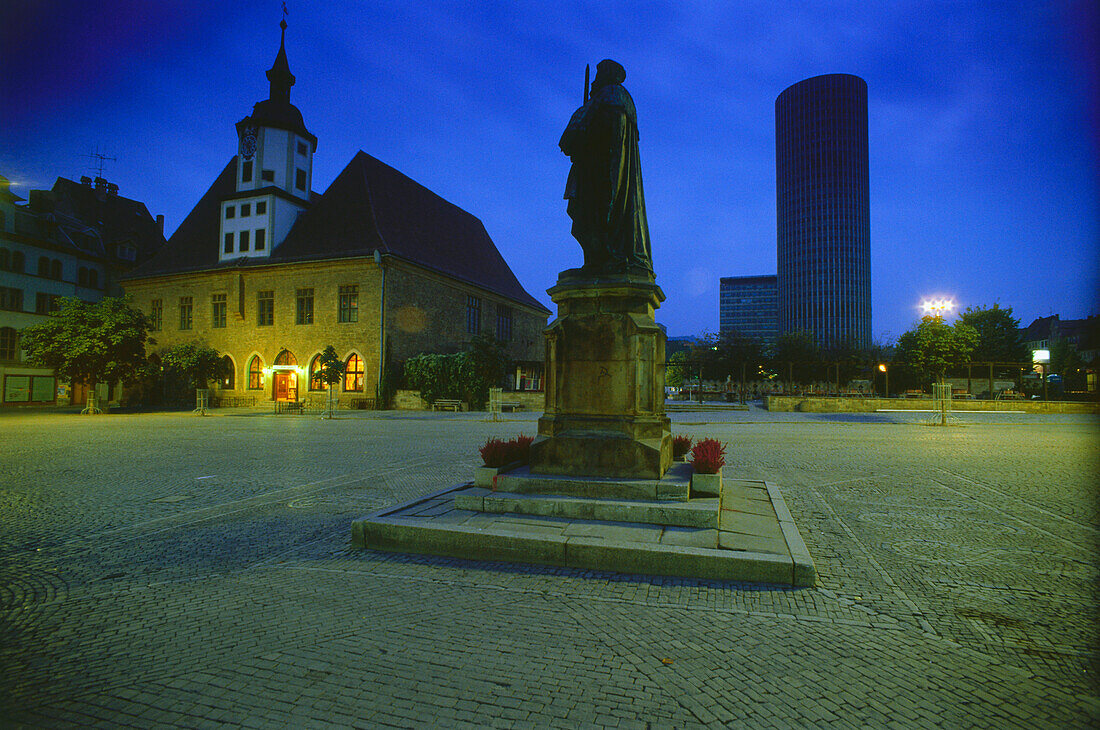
(605, 381)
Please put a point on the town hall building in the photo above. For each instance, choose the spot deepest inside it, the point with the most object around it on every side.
(269, 273)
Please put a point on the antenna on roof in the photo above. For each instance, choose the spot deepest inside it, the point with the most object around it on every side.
(99, 160)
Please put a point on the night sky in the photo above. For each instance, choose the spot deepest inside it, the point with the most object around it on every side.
(983, 124)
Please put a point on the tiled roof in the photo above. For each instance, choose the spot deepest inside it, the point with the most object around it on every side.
(369, 206)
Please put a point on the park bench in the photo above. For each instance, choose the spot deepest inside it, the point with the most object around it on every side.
(511, 406)
(915, 393)
(447, 405)
(361, 403)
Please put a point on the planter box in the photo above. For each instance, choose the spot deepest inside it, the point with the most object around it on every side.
(706, 485)
(483, 475)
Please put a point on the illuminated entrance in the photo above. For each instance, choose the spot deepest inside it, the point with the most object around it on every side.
(285, 376)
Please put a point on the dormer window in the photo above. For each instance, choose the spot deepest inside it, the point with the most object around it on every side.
(261, 207)
(261, 236)
(300, 179)
(246, 210)
(230, 212)
(268, 175)
(228, 243)
(243, 240)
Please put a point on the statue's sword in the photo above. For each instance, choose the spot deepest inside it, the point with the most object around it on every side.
(586, 72)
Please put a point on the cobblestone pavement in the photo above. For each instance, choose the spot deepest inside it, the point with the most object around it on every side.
(165, 570)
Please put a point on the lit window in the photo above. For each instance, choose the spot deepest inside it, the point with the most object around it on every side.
(256, 373)
(315, 382)
(353, 374)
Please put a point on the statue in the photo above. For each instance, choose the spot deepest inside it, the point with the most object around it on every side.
(604, 188)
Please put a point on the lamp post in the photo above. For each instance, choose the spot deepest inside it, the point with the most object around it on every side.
(882, 369)
(1042, 359)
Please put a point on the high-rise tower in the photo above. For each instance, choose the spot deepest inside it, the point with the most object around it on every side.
(823, 246)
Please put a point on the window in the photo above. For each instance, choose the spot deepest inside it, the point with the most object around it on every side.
(229, 243)
(229, 380)
(315, 382)
(93, 278)
(473, 315)
(300, 179)
(265, 308)
(46, 303)
(218, 314)
(55, 269)
(302, 149)
(242, 240)
(126, 252)
(349, 303)
(17, 262)
(185, 313)
(230, 212)
(256, 373)
(261, 236)
(246, 209)
(9, 343)
(261, 207)
(353, 374)
(305, 307)
(5, 259)
(268, 175)
(82, 276)
(504, 323)
(11, 299)
(156, 314)
(43, 266)
(246, 171)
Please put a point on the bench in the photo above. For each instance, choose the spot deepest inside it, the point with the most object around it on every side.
(361, 403)
(915, 394)
(289, 406)
(447, 405)
(512, 407)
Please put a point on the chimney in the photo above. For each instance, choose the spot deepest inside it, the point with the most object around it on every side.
(160, 223)
(112, 188)
(85, 180)
(100, 188)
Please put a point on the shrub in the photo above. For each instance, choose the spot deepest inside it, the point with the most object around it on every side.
(680, 446)
(708, 456)
(497, 453)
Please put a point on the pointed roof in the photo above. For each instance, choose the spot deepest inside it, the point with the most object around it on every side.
(276, 111)
(369, 206)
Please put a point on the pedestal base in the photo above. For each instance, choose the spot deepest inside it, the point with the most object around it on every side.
(604, 382)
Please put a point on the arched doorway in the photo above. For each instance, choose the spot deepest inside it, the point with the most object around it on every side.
(229, 381)
(285, 372)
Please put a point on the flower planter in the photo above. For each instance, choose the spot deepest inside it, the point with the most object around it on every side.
(484, 475)
(706, 485)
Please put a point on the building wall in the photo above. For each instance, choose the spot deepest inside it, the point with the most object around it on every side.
(748, 305)
(822, 210)
(425, 312)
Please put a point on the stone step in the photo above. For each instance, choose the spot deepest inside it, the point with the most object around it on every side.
(696, 513)
(674, 485)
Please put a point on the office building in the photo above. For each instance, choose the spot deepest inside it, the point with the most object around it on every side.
(747, 306)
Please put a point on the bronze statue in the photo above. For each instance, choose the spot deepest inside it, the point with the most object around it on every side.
(604, 188)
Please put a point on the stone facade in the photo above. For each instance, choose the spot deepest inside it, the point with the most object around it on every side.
(424, 312)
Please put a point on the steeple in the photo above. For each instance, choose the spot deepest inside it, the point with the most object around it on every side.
(279, 74)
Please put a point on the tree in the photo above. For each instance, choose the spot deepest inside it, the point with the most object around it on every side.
(193, 363)
(489, 362)
(330, 372)
(90, 343)
(795, 356)
(933, 346)
(998, 334)
(1068, 365)
(677, 368)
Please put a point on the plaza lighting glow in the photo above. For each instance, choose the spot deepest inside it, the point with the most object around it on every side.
(937, 307)
(1040, 355)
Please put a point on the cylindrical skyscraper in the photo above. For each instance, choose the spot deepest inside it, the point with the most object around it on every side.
(823, 247)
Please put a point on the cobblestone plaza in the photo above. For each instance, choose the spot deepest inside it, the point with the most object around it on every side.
(166, 570)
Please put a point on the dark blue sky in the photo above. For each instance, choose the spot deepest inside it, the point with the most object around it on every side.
(983, 124)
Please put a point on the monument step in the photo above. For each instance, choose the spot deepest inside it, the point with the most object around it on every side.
(696, 513)
(674, 485)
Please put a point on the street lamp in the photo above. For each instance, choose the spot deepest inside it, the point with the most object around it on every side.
(883, 369)
(938, 307)
(1042, 359)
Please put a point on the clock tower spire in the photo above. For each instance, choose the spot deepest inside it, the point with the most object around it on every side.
(274, 169)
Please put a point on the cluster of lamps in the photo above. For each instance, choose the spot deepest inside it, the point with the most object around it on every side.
(937, 307)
